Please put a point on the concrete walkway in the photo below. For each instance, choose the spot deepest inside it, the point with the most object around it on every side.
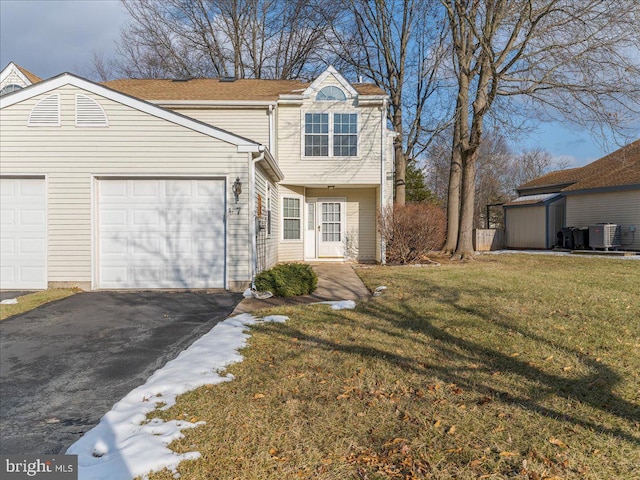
(336, 281)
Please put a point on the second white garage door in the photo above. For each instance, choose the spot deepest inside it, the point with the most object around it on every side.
(23, 233)
(161, 233)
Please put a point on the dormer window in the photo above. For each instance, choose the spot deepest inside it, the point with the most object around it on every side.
(12, 87)
(331, 94)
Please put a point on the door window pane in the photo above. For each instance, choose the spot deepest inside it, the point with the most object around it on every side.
(331, 224)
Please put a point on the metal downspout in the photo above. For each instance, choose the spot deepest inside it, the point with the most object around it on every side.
(383, 155)
(253, 210)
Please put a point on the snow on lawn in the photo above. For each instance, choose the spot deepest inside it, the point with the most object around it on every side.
(560, 254)
(340, 305)
(123, 445)
(9, 301)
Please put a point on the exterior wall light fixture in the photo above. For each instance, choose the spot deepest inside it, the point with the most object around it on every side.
(237, 188)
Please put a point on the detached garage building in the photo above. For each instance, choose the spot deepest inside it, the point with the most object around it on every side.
(103, 190)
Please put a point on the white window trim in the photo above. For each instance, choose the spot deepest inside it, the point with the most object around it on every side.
(331, 123)
(300, 198)
(332, 99)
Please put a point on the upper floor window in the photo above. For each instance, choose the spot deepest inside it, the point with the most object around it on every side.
(338, 139)
(345, 134)
(12, 87)
(330, 93)
(316, 134)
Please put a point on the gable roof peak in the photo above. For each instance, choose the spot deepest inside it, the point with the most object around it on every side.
(330, 71)
(25, 75)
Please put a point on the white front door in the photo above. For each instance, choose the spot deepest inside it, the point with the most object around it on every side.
(331, 218)
(324, 228)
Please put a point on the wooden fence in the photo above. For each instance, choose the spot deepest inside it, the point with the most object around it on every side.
(486, 239)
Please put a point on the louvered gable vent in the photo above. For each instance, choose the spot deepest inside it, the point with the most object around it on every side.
(89, 113)
(46, 113)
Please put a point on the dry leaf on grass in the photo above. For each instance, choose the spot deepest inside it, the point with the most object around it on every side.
(558, 443)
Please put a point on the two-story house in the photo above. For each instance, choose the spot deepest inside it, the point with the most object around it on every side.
(189, 183)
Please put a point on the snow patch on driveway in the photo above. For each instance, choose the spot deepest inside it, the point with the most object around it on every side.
(124, 445)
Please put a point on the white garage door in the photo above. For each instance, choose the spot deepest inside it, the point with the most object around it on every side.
(23, 233)
(161, 233)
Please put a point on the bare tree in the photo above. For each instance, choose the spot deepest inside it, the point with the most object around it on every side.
(576, 59)
(398, 45)
(530, 164)
(492, 173)
(218, 38)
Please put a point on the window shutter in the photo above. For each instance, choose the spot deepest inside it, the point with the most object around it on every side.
(89, 113)
(46, 113)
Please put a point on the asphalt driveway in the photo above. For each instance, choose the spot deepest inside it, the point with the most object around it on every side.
(64, 365)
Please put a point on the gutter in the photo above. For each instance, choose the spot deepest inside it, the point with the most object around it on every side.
(252, 211)
(383, 158)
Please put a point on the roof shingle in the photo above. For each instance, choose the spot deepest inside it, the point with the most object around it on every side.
(33, 78)
(211, 89)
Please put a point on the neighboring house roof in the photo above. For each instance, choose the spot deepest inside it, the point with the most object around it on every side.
(619, 168)
(212, 89)
(531, 200)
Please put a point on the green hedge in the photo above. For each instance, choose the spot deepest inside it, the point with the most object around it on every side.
(287, 280)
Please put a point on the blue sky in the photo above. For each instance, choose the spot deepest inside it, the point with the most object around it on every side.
(48, 37)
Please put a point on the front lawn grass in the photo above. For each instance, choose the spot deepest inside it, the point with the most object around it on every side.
(34, 300)
(512, 366)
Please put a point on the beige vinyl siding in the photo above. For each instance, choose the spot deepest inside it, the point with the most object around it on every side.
(525, 227)
(361, 220)
(290, 250)
(363, 169)
(135, 143)
(267, 244)
(621, 208)
(251, 123)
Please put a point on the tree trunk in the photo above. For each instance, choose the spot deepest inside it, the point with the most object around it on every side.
(453, 199)
(455, 173)
(464, 249)
(399, 196)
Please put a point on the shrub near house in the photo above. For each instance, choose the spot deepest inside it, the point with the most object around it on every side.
(412, 231)
(287, 280)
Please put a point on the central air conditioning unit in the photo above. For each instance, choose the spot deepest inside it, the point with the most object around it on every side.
(604, 235)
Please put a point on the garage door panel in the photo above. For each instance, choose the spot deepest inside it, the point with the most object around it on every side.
(32, 246)
(162, 233)
(145, 189)
(23, 233)
(33, 217)
(113, 217)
